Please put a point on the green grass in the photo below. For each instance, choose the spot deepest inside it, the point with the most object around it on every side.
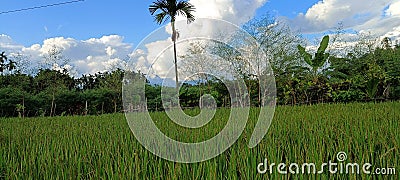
(103, 147)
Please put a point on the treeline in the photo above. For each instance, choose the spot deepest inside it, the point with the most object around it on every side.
(363, 71)
(374, 76)
(52, 93)
(371, 77)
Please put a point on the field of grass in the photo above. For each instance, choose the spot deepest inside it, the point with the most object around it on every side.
(103, 147)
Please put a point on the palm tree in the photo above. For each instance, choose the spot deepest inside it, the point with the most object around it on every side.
(163, 10)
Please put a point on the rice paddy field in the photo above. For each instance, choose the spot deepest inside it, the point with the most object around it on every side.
(103, 147)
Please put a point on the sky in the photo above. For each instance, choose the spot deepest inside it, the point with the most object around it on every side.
(98, 35)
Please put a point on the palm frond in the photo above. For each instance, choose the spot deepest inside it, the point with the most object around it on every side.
(158, 5)
(185, 9)
(164, 10)
(161, 17)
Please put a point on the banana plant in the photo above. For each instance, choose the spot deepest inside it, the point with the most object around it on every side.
(372, 87)
(320, 56)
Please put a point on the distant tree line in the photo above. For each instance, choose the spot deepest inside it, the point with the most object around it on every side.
(371, 77)
(366, 71)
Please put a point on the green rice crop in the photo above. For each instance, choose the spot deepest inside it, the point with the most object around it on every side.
(103, 147)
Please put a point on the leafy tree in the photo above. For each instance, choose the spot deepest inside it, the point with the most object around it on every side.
(53, 82)
(10, 99)
(163, 10)
(23, 63)
(54, 58)
(18, 81)
(197, 61)
(69, 102)
(279, 44)
(153, 96)
(87, 82)
(112, 82)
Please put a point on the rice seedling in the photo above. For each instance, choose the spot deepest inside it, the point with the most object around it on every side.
(95, 147)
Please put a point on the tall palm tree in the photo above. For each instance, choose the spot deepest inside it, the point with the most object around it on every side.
(164, 10)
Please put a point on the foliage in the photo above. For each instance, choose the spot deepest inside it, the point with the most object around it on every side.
(170, 9)
(162, 10)
(367, 73)
(373, 76)
(320, 56)
(5, 63)
(103, 147)
(372, 87)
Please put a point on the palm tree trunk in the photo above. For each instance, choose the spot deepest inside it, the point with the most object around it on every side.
(176, 69)
(174, 37)
(259, 93)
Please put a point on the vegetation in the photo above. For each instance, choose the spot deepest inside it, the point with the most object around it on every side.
(320, 57)
(333, 96)
(5, 63)
(170, 9)
(370, 76)
(82, 147)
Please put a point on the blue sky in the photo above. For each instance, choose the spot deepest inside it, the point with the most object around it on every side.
(82, 20)
(95, 18)
(98, 35)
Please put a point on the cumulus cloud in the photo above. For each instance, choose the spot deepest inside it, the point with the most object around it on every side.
(393, 9)
(108, 52)
(156, 57)
(234, 11)
(394, 35)
(376, 16)
(6, 43)
(84, 56)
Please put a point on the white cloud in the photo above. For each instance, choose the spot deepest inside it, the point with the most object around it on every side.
(393, 9)
(4, 39)
(61, 42)
(376, 16)
(85, 56)
(158, 54)
(110, 51)
(234, 11)
(107, 52)
(6, 43)
(394, 35)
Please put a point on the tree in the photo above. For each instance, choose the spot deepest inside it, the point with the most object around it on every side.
(386, 43)
(23, 63)
(53, 82)
(4, 65)
(170, 9)
(279, 44)
(196, 61)
(112, 82)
